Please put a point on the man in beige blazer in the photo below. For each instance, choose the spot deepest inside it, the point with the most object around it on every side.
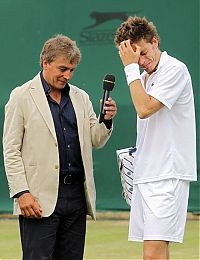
(50, 129)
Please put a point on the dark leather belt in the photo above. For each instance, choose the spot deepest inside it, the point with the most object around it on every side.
(69, 179)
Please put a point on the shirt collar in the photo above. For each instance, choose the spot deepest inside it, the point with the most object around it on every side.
(163, 58)
(47, 89)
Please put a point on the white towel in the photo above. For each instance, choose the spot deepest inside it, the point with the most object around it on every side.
(125, 159)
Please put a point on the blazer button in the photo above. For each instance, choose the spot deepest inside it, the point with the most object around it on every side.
(56, 167)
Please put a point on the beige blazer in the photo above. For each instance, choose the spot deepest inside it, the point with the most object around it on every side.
(31, 149)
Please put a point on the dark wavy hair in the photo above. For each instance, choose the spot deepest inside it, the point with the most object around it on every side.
(134, 29)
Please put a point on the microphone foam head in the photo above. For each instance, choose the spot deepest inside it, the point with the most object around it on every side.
(109, 82)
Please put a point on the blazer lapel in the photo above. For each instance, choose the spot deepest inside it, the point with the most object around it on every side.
(39, 97)
(77, 102)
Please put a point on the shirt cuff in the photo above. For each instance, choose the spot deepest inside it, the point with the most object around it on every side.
(108, 123)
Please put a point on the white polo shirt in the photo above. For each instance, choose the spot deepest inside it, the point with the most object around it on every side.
(166, 141)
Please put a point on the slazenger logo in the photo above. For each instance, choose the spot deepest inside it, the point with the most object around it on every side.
(91, 35)
(104, 17)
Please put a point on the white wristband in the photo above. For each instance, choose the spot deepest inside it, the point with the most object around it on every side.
(132, 72)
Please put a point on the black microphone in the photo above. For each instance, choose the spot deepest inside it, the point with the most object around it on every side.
(108, 85)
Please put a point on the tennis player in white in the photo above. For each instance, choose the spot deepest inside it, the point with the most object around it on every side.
(165, 161)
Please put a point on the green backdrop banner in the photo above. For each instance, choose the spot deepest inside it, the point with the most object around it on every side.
(25, 25)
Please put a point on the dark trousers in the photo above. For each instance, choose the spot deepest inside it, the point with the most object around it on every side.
(60, 236)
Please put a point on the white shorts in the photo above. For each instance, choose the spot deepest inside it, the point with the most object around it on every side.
(159, 210)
